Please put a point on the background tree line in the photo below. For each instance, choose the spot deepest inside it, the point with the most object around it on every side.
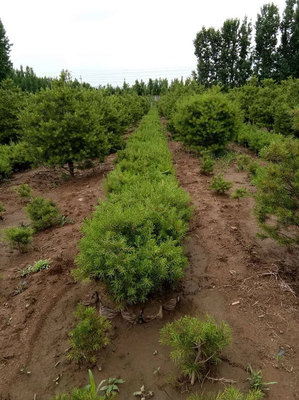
(227, 57)
(27, 80)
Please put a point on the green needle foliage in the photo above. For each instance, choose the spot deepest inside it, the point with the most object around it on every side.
(24, 191)
(242, 161)
(239, 192)
(230, 393)
(43, 213)
(196, 344)
(63, 123)
(207, 164)
(2, 209)
(89, 335)
(207, 121)
(278, 192)
(219, 184)
(18, 237)
(132, 241)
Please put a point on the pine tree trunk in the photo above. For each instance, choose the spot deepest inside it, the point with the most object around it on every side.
(71, 167)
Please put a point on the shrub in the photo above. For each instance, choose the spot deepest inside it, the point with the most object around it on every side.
(89, 335)
(219, 184)
(43, 213)
(196, 344)
(278, 192)
(24, 191)
(230, 393)
(206, 121)
(18, 237)
(295, 126)
(38, 266)
(256, 139)
(22, 156)
(132, 241)
(12, 101)
(207, 164)
(64, 124)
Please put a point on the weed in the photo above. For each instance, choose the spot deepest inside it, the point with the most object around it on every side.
(20, 288)
(111, 387)
(196, 344)
(38, 266)
(256, 380)
(92, 392)
(89, 335)
(18, 237)
(64, 219)
(219, 185)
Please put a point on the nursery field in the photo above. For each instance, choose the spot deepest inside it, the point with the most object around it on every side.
(230, 274)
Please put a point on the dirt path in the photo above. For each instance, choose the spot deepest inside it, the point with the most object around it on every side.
(225, 279)
(225, 262)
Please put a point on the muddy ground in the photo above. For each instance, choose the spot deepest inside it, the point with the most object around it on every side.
(232, 275)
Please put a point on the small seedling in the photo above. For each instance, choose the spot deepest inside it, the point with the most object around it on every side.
(242, 161)
(43, 213)
(24, 191)
(239, 192)
(252, 168)
(207, 165)
(256, 380)
(18, 237)
(220, 185)
(196, 344)
(2, 209)
(38, 266)
(20, 288)
(89, 335)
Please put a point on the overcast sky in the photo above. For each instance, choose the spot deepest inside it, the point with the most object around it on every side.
(107, 41)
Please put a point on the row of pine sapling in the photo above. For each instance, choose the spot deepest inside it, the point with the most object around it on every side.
(132, 242)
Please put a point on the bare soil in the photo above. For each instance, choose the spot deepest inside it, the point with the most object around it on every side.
(232, 275)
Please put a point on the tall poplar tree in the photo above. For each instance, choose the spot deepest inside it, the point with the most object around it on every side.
(224, 55)
(265, 54)
(244, 62)
(286, 50)
(5, 63)
(294, 44)
(208, 44)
